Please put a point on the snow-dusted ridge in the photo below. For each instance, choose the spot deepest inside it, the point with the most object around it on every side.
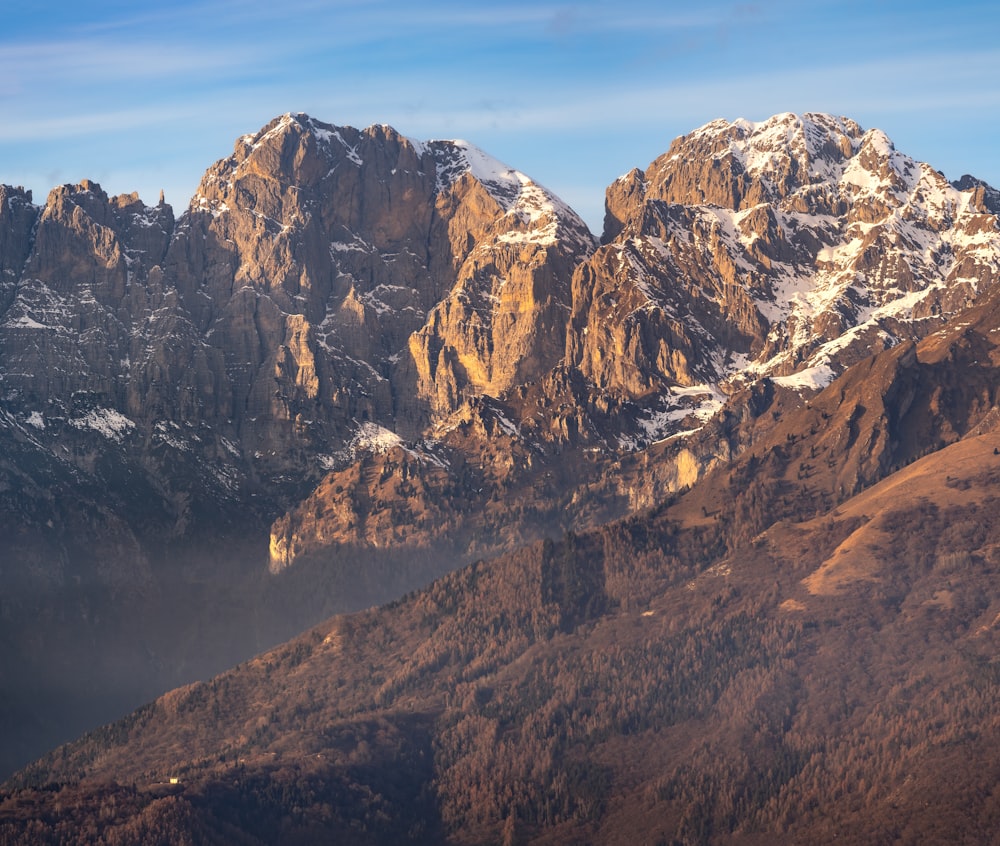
(544, 218)
(819, 204)
(932, 230)
(538, 215)
(825, 241)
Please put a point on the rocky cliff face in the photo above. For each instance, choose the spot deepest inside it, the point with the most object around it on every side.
(793, 246)
(788, 249)
(86, 281)
(359, 276)
(323, 278)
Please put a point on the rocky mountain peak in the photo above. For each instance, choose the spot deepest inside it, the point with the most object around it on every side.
(787, 248)
(398, 261)
(789, 161)
(18, 216)
(298, 151)
(538, 215)
(986, 198)
(816, 192)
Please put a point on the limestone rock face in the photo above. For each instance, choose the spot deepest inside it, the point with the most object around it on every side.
(512, 249)
(794, 246)
(325, 279)
(17, 219)
(662, 306)
(984, 196)
(477, 485)
(383, 499)
(350, 275)
(83, 285)
(322, 277)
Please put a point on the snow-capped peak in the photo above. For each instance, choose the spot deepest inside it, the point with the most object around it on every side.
(543, 214)
(506, 185)
(821, 237)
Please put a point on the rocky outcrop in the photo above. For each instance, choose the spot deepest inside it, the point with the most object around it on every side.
(17, 220)
(353, 275)
(794, 246)
(791, 248)
(985, 197)
(663, 305)
(503, 323)
(322, 277)
(87, 278)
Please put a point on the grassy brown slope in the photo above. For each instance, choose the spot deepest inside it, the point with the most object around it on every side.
(708, 705)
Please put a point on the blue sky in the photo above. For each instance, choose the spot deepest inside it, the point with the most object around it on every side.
(141, 97)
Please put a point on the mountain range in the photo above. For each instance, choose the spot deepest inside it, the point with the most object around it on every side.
(687, 532)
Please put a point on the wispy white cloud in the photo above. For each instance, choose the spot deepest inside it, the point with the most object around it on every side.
(912, 84)
(888, 86)
(45, 126)
(85, 62)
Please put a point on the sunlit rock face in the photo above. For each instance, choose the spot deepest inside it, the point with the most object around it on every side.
(789, 248)
(322, 277)
(351, 275)
(325, 278)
